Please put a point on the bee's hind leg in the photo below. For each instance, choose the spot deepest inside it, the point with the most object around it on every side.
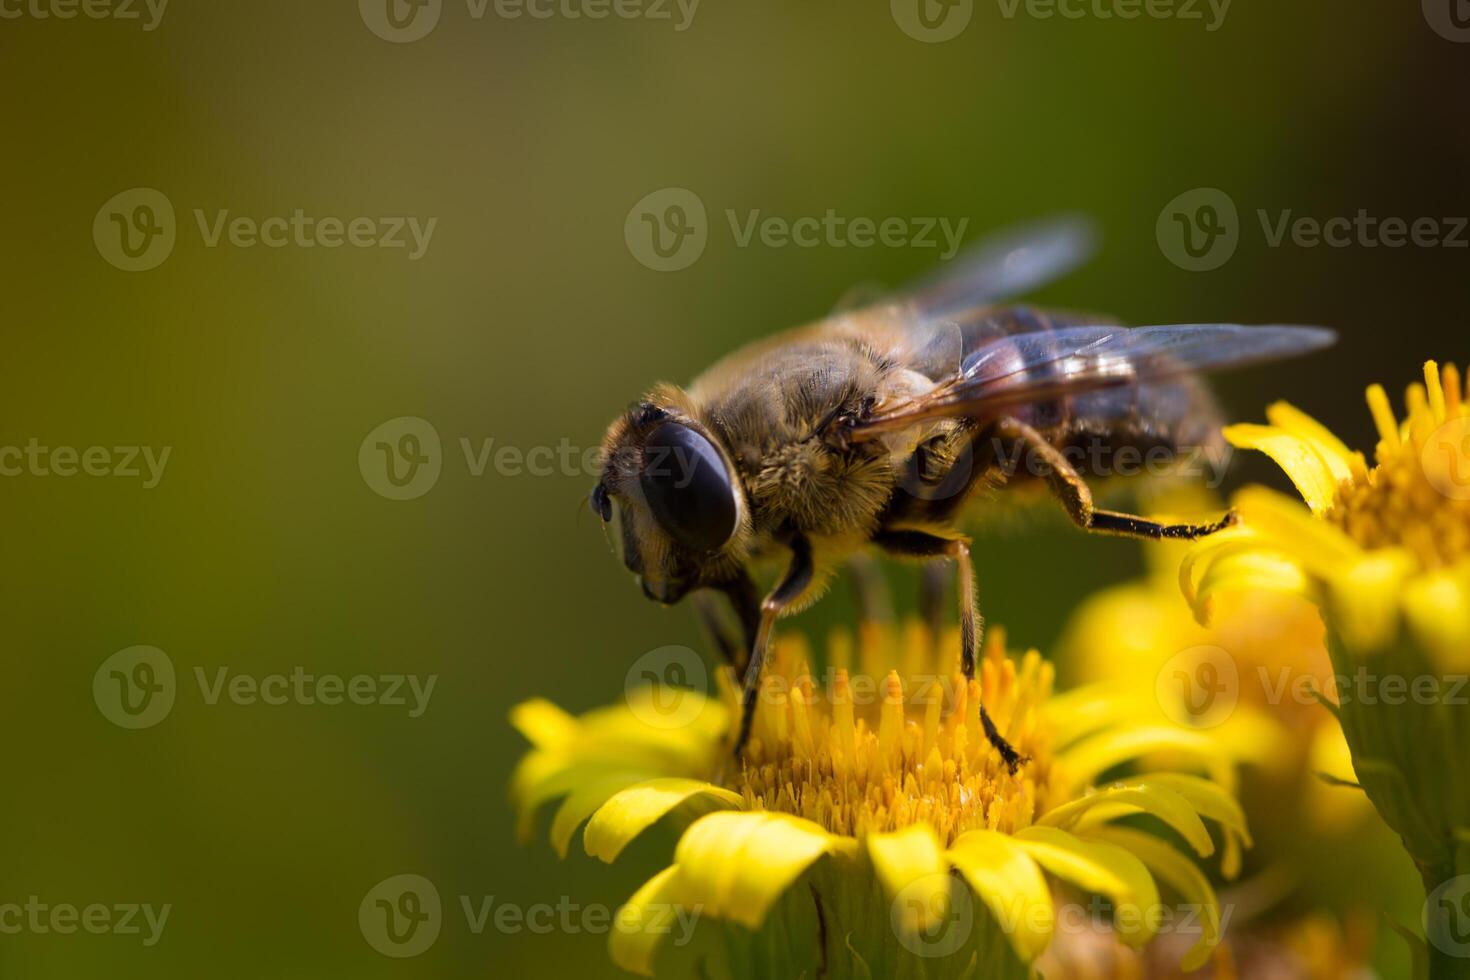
(1067, 485)
(918, 544)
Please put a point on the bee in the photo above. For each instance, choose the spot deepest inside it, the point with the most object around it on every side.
(886, 427)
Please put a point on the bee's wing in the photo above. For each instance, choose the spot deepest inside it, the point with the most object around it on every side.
(1036, 367)
(1010, 263)
(1007, 264)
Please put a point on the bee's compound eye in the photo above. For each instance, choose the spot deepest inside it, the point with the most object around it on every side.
(688, 487)
(601, 503)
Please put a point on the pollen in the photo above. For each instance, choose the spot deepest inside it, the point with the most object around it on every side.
(1417, 496)
(895, 737)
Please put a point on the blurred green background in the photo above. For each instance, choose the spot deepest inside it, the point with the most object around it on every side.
(529, 321)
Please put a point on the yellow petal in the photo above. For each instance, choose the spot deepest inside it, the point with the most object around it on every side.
(736, 864)
(1332, 449)
(1184, 877)
(543, 723)
(1208, 798)
(911, 866)
(1081, 764)
(580, 804)
(1438, 608)
(1287, 527)
(1366, 598)
(1142, 796)
(1097, 866)
(1011, 885)
(641, 924)
(543, 776)
(1204, 554)
(637, 808)
(1299, 458)
(1253, 571)
(1085, 711)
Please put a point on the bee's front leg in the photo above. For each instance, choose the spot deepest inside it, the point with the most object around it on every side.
(798, 576)
(869, 589)
(744, 600)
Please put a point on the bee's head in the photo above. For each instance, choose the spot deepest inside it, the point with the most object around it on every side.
(672, 492)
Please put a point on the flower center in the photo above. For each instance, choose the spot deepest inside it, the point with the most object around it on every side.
(1418, 495)
(872, 747)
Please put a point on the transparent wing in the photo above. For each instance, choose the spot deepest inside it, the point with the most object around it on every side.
(1002, 266)
(1005, 265)
(1035, 367)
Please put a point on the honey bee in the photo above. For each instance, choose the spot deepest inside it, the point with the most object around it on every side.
(885, 426)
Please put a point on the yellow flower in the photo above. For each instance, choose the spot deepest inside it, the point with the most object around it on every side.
(1385, 552)
(1380, 548)
(869, 815)
(1243, 679)
(1247, 679)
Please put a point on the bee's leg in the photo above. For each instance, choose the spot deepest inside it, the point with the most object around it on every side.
(869, 589)
(917, 544)
(1067, 485)
(733, 650)
(743, 599)
(932, 582)
(798, 576)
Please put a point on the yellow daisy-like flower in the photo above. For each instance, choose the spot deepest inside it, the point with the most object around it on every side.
(1244, 679)
(869, 815)
(1247, 679)
(1385, 552)
(1382, 547)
